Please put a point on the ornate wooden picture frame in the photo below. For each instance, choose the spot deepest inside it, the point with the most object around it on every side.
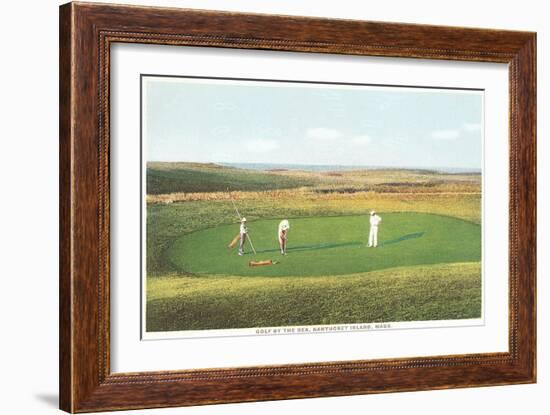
(87, 32)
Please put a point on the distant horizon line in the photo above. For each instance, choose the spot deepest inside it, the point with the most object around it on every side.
(313, 165)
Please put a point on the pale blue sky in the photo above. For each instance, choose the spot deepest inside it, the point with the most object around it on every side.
(256, 122)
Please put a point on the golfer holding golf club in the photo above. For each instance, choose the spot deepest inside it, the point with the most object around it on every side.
(282, 234)
(373, 234)
(243, 231)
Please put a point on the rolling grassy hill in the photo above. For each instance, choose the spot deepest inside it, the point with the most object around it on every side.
(195, 177)
(446, 292)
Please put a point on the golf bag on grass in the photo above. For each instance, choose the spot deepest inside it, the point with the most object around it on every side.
(234, 241)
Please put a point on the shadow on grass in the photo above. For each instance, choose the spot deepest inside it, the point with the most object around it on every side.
(330, 245)
(402, 238)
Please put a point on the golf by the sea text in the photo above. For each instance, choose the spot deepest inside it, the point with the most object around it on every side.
(323, 329)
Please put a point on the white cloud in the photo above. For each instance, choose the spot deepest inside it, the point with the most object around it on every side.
(361, 140)
(453, 134)
(471, 127)
(260, 145)
(445, 134)
(323, 134)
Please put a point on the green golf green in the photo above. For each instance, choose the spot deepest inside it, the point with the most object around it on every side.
(330, 246)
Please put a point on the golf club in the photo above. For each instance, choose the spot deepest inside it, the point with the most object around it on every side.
(240, 217)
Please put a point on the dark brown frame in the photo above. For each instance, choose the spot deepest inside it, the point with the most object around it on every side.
(86, 33)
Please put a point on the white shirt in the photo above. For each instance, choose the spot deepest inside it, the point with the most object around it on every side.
(243, 228)
(375, 220)
(283, 226)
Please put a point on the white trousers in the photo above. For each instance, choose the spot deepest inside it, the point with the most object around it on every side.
(373, 236)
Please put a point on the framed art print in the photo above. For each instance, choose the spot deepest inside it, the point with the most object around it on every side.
(276, 190)
(261, 207)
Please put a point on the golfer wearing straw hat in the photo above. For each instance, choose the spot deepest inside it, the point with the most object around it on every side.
(282, 234)
(243, 231)
(373, 234)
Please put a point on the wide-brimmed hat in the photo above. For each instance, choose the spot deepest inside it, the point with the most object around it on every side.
(243, 219)
(372, 212)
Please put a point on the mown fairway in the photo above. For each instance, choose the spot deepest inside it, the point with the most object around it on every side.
(330, 246)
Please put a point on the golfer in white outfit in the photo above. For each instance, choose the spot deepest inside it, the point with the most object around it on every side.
(282, 234)
(373, 234)
(242, 232)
